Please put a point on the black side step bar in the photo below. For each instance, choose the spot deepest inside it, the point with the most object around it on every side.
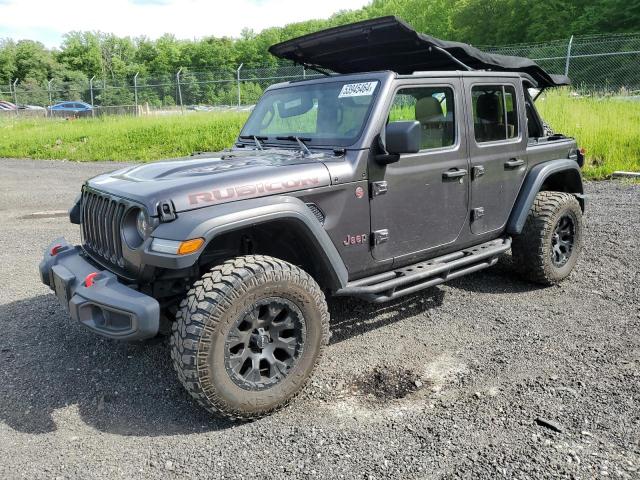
(403, 281)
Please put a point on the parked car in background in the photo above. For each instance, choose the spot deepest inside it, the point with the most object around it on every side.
(200, 108)
(30, 107)
(71, 107)
(4, 105)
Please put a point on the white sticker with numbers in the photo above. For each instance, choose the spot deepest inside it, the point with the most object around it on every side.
(357, 89)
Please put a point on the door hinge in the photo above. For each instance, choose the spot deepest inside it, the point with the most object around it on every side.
(379, 188)
(477, 171)
(477, 213)
(380, 236)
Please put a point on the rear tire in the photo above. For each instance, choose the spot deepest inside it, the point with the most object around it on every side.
(548, 247)
(249, 335)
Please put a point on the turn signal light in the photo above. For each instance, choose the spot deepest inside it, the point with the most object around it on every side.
(190, 246)
(176, 247)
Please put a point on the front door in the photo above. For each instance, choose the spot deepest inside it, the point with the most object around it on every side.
(497, 150)
(421, 201)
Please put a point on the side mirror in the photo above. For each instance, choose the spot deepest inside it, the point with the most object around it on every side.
(401, 137)
(404, 137)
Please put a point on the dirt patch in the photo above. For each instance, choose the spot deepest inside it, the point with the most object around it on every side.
(388, 383)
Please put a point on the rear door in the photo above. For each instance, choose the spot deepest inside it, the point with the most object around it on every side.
(421, 201)
(497, 145)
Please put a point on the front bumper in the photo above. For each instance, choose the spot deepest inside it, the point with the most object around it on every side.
(108, 307)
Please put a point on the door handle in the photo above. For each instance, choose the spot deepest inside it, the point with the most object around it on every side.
(513, 163)
(454, 173)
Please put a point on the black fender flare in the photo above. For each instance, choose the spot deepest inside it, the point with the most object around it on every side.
(210, 222)
(532, 184)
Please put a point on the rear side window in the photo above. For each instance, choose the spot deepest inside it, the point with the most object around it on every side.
(495, 115)
(431, 106)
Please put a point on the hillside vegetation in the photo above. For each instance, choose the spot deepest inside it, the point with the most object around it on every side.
(116, 60)
(119, 138)
(607, 128)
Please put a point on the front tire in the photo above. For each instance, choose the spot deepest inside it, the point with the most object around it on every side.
(548, 247)
(249, 335)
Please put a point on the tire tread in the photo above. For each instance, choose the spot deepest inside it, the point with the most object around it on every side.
(199, 313)
(529, 248)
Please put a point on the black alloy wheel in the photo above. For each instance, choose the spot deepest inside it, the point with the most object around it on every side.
(265, 343)
(562, 240)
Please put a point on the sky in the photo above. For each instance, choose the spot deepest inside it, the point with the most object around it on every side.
(47, 20)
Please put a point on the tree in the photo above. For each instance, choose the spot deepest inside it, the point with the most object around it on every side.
(32, 60)
(81, 51)
(210, 63)
(7, 62)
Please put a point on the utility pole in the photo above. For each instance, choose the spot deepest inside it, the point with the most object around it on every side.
(238, 77)
(179, 89)
(135, 90)
(566, 65)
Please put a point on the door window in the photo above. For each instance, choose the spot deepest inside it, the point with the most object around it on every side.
(431, 106)
(495, 115)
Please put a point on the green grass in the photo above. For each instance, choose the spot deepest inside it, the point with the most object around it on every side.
(608, 128)
(119, 138)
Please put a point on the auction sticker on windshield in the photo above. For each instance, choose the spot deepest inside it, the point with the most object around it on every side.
(357, 89)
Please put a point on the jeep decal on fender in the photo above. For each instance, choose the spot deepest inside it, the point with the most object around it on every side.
(359, 239)
(252, 190)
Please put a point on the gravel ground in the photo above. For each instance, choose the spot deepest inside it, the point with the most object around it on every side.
(487, 376)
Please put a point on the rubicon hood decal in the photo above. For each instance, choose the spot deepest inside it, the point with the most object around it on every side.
(222, 195)
(194, 182)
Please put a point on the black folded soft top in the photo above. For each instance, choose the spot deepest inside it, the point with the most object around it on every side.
(388, 43)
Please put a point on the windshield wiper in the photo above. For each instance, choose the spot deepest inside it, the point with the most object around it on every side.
(256, 139)
(300, 140)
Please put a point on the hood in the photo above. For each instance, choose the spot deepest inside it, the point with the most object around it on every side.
(214, 178)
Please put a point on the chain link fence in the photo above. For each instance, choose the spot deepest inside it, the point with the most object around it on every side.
(601, 64)
(595, 63)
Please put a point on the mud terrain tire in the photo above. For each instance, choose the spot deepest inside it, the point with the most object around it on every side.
(548, 247)
(255, 307)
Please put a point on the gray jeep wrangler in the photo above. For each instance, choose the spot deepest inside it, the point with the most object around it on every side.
(413, 162)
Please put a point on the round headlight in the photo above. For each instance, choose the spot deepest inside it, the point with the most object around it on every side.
(142, 224)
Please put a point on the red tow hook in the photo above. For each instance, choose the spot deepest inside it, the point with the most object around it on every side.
(55, 249)
(89, 279)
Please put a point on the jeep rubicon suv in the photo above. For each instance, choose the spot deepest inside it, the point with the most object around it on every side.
(413, 162)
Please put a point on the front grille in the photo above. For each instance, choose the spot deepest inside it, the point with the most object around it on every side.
(101, 225)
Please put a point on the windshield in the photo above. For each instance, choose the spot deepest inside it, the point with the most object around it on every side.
(328, 113)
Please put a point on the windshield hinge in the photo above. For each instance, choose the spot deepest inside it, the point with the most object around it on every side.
(339, 152)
